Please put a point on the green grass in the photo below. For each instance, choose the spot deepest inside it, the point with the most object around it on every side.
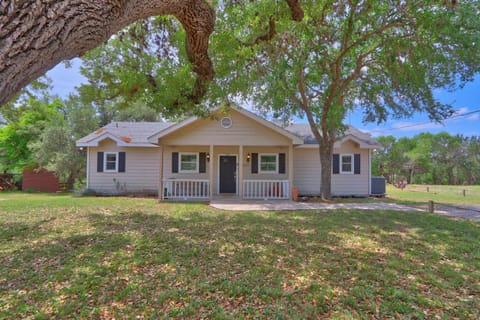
(439, 194)
(101, 258)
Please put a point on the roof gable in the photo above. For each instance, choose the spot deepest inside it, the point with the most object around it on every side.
(146, 134)
(256, 119)
(364, 140)
(124, 134)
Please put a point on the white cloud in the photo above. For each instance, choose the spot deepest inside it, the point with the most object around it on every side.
(460, 111)
(474, 117)
(412, 126)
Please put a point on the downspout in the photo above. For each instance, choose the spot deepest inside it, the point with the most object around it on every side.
(369, 172)
(88, 168)
(160, 176)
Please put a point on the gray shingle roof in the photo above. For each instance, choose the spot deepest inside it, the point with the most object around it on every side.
(303, 130)
(139, 132)
(133, 132)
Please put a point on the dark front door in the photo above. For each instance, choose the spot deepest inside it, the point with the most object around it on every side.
(228, 168)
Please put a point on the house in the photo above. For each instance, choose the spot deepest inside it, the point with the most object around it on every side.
(236, 153)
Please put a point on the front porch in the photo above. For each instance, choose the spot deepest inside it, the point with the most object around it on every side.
(200, 189)
(244, 172)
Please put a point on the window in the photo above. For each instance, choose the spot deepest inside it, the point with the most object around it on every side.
(226, 122)
(188, 162)
(346, 163)
(111, 162)
(268, 163)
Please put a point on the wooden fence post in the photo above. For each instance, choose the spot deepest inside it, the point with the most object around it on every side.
(464, 192)
(430, 206)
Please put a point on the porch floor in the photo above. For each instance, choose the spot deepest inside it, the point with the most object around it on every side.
(237, 204)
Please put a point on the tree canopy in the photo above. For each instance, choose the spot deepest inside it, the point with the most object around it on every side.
(429, 158)
(385, 58)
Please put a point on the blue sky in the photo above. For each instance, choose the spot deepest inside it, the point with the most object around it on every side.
(466, 100)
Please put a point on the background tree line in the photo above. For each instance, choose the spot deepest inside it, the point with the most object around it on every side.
(429, 158)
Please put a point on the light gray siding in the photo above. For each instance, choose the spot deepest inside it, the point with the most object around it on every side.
(352, 184)
(167, 163)
(244, 131)
(141, 174)
(222, 150)
(307, 172)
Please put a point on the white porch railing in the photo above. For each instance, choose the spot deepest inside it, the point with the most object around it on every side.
(266, 189)
(184, 189)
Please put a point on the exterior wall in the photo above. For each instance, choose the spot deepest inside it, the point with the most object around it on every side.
(352, 184)
(141, 174)
(248, 175)
(307, 172)
(244, 131)
(43, 180)
(217, 151)
(167, 163)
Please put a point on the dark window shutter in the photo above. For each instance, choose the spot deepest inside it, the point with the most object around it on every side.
(336, 163)
(121, 162)
(356, 163)
(202, 163)
(174, 162)
(254, 162)
(99, 161)
(281, 163)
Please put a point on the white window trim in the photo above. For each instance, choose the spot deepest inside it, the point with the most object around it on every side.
(260, 163)
(196, 154)
(352, 163)
(105, 162)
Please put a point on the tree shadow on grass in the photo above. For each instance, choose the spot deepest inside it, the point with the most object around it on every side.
(219, 264)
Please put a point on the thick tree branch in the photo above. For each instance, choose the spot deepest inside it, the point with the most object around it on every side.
(37, 35)
(264, 37)
(297, 10)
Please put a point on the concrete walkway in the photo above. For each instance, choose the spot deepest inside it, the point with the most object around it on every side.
(281, 205)
(465, 212)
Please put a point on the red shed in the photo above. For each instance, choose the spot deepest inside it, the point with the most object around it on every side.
(40, 180)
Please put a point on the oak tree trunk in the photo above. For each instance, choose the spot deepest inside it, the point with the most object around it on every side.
(326, 141)
(35, 35)
(326, 155)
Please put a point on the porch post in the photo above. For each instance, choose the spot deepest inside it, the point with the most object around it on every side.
(290, 170)
(160, 175)
(240, 171)
(210, 171)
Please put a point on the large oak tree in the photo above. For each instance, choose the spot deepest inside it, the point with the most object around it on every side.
(35, 35)
(385, 58)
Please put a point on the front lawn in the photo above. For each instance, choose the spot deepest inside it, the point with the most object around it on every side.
(103, 258)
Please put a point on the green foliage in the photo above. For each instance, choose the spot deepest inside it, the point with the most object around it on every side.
(26, 126)
(37, 90)
(137, 111)
(55, 149)
(144, 64)
(429, 158)
(383, 58)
